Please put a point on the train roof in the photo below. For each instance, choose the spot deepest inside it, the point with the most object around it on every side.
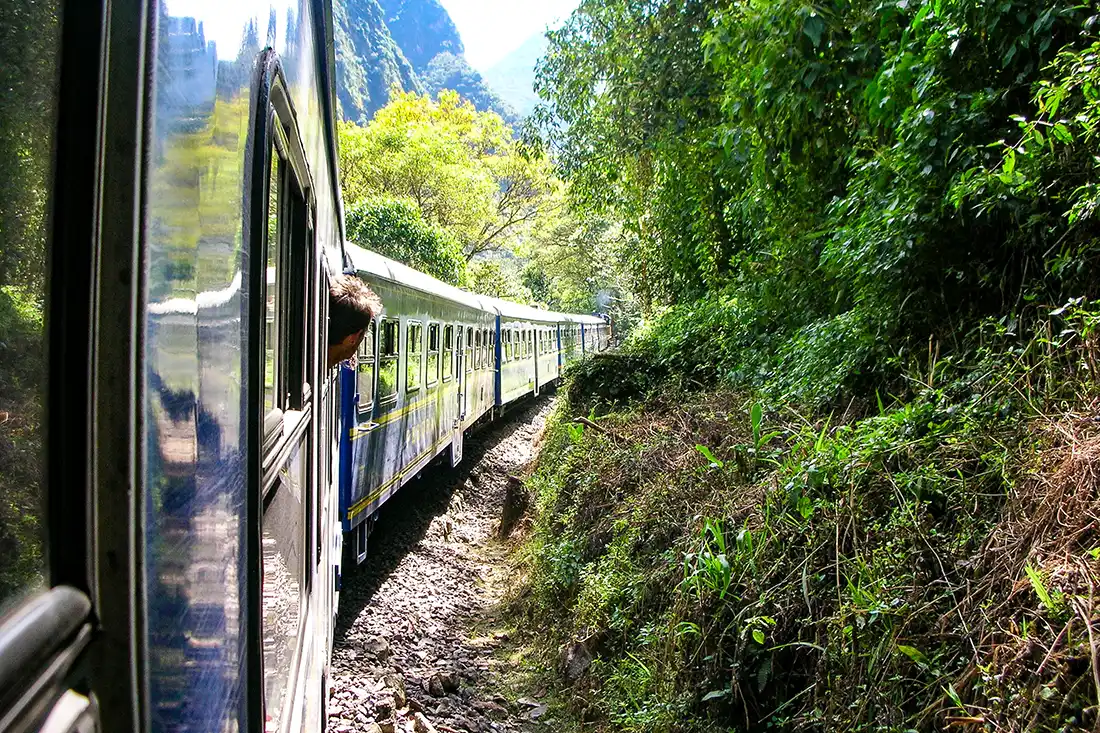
(375, 265)
(372, 263)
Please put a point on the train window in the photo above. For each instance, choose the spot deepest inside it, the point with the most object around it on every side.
(486, 359)
(448, 352)
(364, 370)
(433, 354)
(469, 350)
(492, 349)
(414, 356)
(387, 360)
(478, 360)
(273, 283)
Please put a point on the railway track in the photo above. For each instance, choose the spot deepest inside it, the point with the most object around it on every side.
(415, 646)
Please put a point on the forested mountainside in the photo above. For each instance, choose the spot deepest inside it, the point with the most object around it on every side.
(412, 44)
(513, 77)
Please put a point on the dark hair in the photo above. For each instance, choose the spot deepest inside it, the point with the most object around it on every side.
(352, 306)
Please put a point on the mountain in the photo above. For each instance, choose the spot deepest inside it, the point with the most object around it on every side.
(513, 77)
(423, 29)
(447, 71)
(411, 44)
(368, 60)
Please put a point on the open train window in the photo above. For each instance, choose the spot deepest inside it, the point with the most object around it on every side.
(364, 370)
(432, 377)
(448, 352)
(506, 344)
(478, 360)
(492, 349)
(414, 355)
(288, 252)
(387, 360)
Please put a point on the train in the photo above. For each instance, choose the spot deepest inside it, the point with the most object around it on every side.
(205, 476)
(438, 361)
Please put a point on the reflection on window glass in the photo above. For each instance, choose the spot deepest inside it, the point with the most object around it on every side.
(271, 332)
(283, 558)
(414, 359)
(28, 58)
(387, 360)
(365, 370)
(448, 351)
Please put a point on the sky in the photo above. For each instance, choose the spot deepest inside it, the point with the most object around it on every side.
(491, 29)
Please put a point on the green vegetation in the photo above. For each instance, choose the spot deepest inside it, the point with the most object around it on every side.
(29, 34)
(843, 476)
(440, 186)
(395, 228)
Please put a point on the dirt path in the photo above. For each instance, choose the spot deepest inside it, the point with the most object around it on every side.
(415, 641)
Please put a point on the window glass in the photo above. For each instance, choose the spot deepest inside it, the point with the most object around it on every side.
(365, 369)
(387, 360)
(283, 547)
(448, 352)
(271, 293)
(28, 106)
(414, 358)
(477, 349)
(433, 354)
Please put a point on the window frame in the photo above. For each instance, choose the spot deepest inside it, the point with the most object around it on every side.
(371, 340)
(469, 349)
(432, 376)
(409, 353)
(383, 358)
(447, 361)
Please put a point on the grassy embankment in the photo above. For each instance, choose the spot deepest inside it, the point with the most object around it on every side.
(909, 553)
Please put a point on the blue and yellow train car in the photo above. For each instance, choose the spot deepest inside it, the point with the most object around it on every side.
(436, 361)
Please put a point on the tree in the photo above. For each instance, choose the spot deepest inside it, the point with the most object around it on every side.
(489, 277)
(461, 168)
(396, 229)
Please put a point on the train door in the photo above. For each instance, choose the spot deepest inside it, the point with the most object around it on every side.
(460, 384)
(536, 335)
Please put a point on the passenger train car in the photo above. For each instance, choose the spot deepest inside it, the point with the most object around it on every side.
(435, 363)
(177, 567)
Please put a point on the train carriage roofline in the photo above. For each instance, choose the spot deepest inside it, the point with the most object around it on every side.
(373, 265)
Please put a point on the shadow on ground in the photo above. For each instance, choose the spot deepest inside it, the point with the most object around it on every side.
(405, 519)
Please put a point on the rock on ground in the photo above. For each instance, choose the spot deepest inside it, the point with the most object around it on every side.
(407, 654)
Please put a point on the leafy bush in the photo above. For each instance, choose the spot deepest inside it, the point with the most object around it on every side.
(735, 567)
(396, 229)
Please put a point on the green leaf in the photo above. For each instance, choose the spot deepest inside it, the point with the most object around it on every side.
(914, 654)
(813, 28)
(714, 462)
(758, 636)
(715, 695)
